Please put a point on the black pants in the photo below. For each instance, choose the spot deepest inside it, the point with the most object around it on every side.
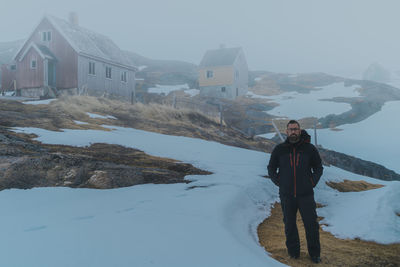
(307, 207)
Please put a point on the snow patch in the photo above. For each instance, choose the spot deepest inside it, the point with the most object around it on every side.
(97, 116)
(39, 102)
(166, 89)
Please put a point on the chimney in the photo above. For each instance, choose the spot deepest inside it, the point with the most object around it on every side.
(73, 18)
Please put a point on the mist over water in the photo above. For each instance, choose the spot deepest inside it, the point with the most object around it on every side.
(337, 37)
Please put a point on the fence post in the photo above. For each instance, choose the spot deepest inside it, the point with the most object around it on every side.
(315, 133)
(174, 100)
(220, 115)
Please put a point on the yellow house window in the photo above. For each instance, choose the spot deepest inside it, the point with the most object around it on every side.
(223, 89)
(210, 74)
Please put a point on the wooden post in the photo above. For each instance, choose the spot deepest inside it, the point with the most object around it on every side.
(315, 133)
(132, 95)
(174, 100)
(220, 115)
(277, 131)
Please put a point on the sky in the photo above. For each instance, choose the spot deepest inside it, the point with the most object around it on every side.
(337, 37)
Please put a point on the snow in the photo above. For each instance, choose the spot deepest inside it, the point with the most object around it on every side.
(9, 93)
(268, 135)
(295, 105)
(80, 122)
(258, 79)
(140, 68)
(172, 225)
(253, 95)
(165, 225)
(192, 92)
(166, 89)
(97, 116)
(374, 139)
(39, 102)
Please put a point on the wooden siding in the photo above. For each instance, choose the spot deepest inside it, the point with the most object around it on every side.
(7, 77)
(241, 82)
(98, 83)
(67, 58)
(222, 75)
(28, 77)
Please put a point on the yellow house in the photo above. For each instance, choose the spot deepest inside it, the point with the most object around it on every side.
(223, 73)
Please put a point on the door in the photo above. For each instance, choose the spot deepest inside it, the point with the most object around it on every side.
(51, 70)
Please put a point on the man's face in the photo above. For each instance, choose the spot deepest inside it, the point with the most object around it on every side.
(293, 132)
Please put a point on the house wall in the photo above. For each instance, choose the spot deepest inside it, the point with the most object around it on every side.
(98, 84)
(217, 92)
(67, 58)
(241, 82)
(223, 75)
(28, 77)
(7, 77)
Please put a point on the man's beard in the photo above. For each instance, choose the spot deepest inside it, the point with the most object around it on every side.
(294, 138)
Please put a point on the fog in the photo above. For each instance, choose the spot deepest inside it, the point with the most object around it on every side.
(338, 37)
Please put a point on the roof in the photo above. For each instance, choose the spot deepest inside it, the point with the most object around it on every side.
(46, 52)
(89, 43)
(42, 50)
(220, 57)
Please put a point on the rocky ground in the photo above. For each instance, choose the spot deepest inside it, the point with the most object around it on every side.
(26, 164)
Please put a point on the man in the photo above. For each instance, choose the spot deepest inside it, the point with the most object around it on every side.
(295, 166)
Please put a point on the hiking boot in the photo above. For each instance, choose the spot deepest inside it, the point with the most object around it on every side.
(316, 259)
(294, 256)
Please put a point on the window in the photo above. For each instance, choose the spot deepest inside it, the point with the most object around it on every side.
(92, 68)
(13, 67)
(210, 74)
(108, 72)
(223, 89)
(123, 76)
(46, 36)
(236, 74)
(33, 63)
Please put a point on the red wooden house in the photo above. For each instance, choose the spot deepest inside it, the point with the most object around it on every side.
(60, 55)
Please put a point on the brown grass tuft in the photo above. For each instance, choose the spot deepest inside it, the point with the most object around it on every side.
(353, 186)
(334, 251)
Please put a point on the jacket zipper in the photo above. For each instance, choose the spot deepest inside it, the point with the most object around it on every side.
(294, 170)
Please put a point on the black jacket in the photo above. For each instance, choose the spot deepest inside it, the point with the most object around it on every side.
(295, 168)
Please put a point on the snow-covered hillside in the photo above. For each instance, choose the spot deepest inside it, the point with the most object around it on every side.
(209, 222)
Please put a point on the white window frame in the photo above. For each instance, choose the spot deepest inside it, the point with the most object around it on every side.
(209, 74)
(92, 68)
(108, 72)
(223, 89)
(124, 74)
(33, 59)
(46, 36)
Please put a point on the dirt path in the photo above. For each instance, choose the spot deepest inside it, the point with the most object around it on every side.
(334, 251)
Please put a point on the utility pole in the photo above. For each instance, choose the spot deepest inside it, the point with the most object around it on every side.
(220, 115)
(315, 132)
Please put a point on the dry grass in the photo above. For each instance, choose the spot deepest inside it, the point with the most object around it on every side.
(77, 106)
(62, 114)
(334, 251)
(353, 186)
